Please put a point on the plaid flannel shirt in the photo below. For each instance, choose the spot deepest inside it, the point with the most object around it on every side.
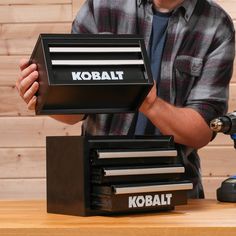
(196, 66)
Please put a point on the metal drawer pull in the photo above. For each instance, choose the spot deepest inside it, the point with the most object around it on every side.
(96, 62)
(167, 153)
(153, 188)
(144, 171)
(94, 49)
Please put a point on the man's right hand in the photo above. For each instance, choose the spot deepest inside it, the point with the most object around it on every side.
(26, 84)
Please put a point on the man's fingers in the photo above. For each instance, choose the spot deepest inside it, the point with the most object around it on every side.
(27, 82)
(152, 92)
(23, 63)
(30, 93)
(27, 71)
(32, 103)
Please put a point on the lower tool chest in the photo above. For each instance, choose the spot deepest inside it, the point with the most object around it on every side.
(114, 174)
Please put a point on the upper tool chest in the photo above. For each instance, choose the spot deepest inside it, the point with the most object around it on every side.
(81, 74)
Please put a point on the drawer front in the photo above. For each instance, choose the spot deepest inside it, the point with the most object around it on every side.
(136, 174)
(140, 197)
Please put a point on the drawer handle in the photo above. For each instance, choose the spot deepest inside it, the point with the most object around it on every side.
(144, 171)
(153, 188)
(96, 62)
(165, 153)
(93, 49)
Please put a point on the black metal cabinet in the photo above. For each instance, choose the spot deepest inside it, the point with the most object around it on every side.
(81, 74)
(104, 175)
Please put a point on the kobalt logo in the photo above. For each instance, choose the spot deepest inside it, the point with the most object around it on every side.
(95, 75)
(149, 200)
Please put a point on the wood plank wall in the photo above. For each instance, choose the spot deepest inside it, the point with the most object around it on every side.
(22, 136)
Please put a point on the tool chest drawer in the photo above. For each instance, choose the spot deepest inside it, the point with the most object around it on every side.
(139, 156)
(133, 197)
(136, 173)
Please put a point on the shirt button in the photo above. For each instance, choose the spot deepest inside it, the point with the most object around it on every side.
(196, 67)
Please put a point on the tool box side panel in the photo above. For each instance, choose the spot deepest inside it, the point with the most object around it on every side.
(67, 176)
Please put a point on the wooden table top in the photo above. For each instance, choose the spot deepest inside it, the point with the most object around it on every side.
(199, 217)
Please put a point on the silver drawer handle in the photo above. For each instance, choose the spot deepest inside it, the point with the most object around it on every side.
(93, 49)
(165, 153)
(153, 188)
(96, 62)
(144, 171)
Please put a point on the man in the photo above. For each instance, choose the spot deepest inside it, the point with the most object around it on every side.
(191, 48)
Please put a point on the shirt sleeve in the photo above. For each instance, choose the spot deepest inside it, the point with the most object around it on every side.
(84, 22)
(210, 94)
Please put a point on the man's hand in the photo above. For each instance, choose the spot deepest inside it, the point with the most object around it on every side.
(149, 100)
(26, 84)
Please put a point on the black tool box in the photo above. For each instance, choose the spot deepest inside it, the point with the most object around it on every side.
(81, 74)
(114, 174)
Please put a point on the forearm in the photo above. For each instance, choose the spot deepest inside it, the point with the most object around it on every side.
(185, 124)
(68, 119)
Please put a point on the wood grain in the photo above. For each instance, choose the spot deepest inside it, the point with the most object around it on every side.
(199, 217)
(23, 189)
(27, 13)
(233, 80)
(9, 71)
(76, 6)
(228, 6)
(3, 48)
(23, 163)
(31, 30)
(221, 140)
(20, 39)
(218, 161)
(211, 184)
(29, 2)
(232, 95)
(28, 132)
(12, 104)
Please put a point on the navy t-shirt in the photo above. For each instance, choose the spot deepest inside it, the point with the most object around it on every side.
(157, 43)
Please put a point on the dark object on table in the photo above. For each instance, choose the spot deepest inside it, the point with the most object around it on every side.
(227, 191)
(114, 174)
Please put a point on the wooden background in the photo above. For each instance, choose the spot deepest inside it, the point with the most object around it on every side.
(22, 136)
